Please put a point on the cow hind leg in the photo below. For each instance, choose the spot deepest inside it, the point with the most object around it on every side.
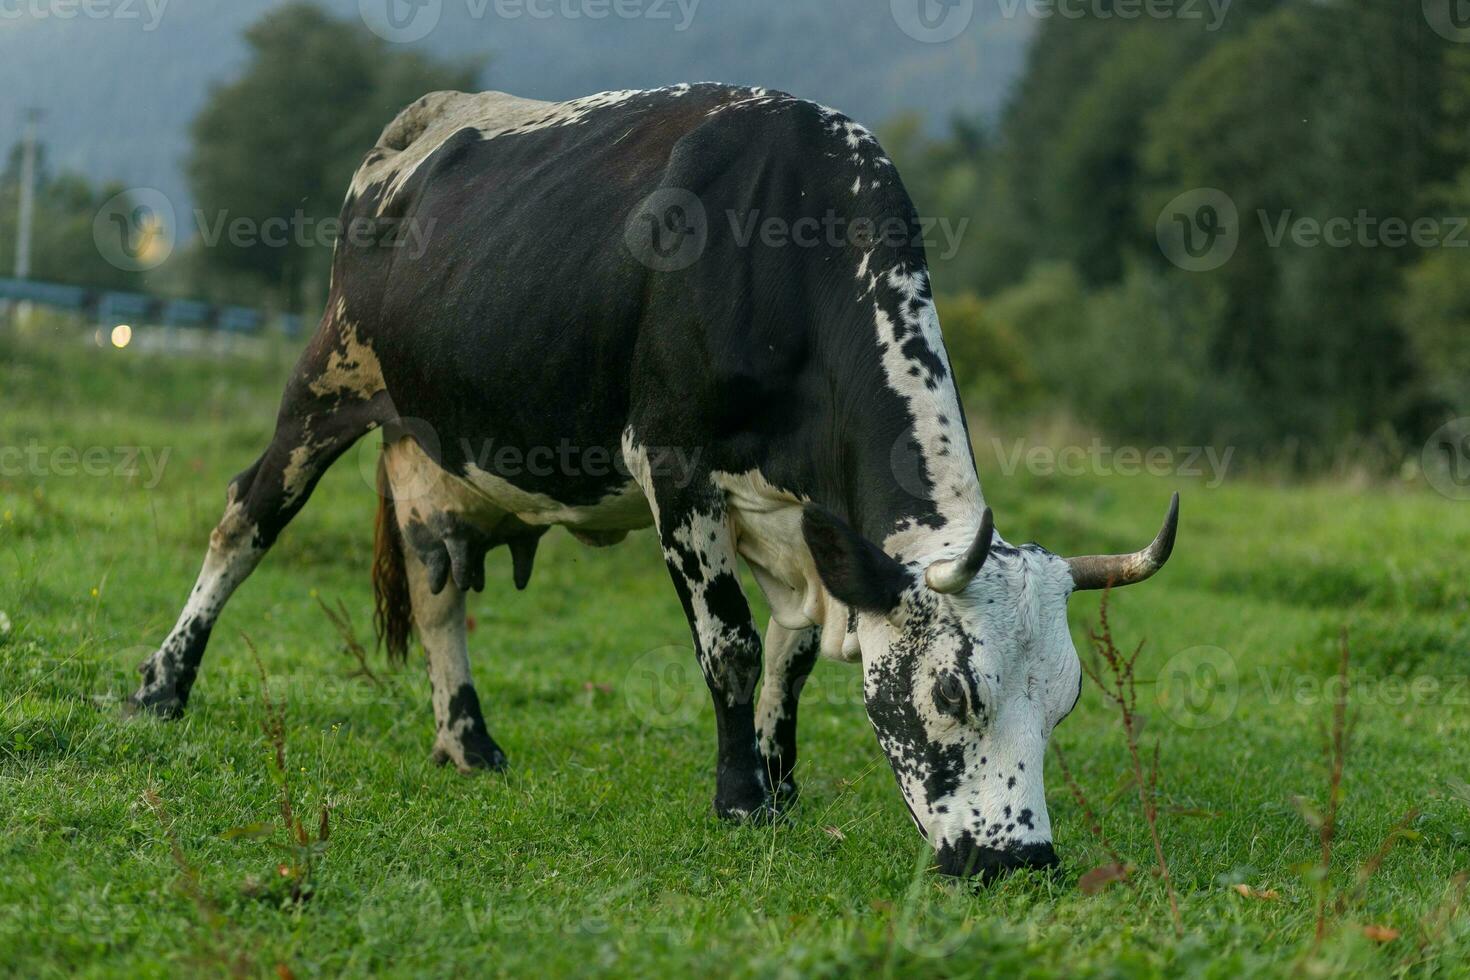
(790, 656)
(334, 398)
(460, 733)
(423, 518)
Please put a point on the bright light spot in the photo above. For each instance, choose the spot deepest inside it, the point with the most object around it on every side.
(122, 335)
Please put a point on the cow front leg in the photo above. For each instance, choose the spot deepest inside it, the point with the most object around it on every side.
(790, 656)
(460, 733)
(699, 550)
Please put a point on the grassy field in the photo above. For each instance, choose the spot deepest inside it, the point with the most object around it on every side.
(597, 853)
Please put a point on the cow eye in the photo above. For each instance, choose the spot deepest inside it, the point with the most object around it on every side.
(949, 694)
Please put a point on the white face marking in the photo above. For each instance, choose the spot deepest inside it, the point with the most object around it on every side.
(964, 692)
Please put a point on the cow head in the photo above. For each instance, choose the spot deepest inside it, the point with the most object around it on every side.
(968, 666)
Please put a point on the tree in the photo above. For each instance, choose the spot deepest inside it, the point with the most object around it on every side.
(63, 248)
(282, 141)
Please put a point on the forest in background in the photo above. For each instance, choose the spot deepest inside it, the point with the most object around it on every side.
(1351, 117)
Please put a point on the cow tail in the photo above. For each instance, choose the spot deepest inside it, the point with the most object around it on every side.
(392, 604)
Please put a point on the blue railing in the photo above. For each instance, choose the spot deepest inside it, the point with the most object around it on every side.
(111, 307)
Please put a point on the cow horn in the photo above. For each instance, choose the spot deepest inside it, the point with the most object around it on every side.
(952, 575)
(1105, 571)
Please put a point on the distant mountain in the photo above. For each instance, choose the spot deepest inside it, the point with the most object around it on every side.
(119, 92)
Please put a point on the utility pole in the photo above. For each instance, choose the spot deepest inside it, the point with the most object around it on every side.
(27, 195)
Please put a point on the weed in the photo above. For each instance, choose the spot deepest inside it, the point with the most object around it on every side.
(351, 645)
(295, 877)
(1114, 674)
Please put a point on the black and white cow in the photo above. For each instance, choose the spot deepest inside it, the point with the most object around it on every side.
(784, 403)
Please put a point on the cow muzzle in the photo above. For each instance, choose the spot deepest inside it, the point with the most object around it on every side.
(967, 859)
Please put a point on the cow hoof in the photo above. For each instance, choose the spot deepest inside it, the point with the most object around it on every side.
(765, 812)
(471, 760)
(786, 793)
(158, 704)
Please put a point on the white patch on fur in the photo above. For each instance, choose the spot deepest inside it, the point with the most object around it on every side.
(767, 525)
(943, 446)
(625, 509)
(781, 647)
(231, 558)
(426, 125)
(354, 370)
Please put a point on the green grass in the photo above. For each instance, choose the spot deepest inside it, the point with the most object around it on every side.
(597, 853)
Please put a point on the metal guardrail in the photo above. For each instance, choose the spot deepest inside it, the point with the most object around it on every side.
(111, 307)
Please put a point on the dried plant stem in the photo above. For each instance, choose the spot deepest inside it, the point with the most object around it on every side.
(1120, 687)
(1094, 826)
(351, 645)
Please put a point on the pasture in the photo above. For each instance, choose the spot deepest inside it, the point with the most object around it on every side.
(597, 853)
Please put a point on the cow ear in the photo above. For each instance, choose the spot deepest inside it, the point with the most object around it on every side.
(854, 570)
